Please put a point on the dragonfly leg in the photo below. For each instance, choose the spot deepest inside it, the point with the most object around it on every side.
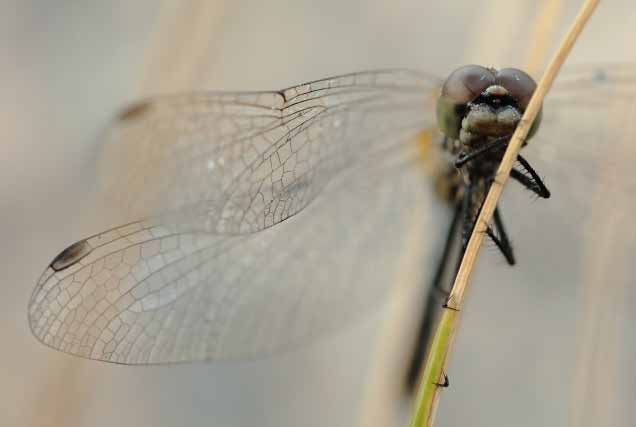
(500, 237)
(464, 158)
(432, 301)
(445, 384)
(448, 244)
(470, 213)
(529, 178)
(448, 307)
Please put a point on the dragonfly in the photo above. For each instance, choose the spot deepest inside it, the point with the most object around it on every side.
(263, 220)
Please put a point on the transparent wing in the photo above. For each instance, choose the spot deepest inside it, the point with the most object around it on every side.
(200, 282)
(577, 268)
(588, 128)
(584, 237)
(242, 162)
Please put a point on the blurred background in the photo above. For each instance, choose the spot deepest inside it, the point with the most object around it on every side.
(545, 343)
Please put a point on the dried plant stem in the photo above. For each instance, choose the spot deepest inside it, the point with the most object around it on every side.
(428, 393)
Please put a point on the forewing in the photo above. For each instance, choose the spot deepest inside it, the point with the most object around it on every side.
(239, 163)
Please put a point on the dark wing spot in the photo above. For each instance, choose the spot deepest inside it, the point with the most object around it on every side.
(71, 255)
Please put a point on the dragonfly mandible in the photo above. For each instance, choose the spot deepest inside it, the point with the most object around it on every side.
(250, 199)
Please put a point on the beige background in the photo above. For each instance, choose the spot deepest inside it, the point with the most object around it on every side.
(542, 344)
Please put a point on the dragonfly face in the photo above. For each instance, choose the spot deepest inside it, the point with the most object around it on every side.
(261, 219)
(478, 103)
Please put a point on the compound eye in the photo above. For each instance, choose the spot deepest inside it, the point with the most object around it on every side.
(520, 85)
(467, 83)
(461, 87)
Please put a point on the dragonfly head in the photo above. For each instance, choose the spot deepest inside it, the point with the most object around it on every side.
(478, 102)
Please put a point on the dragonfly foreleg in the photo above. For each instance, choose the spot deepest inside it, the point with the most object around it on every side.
(469, 156)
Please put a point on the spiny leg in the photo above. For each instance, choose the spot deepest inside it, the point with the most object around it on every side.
(525, 181)
(470, 215)
(448, 244)
(471, 209)
(501, 238)
(432, 301)
(533, 182)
